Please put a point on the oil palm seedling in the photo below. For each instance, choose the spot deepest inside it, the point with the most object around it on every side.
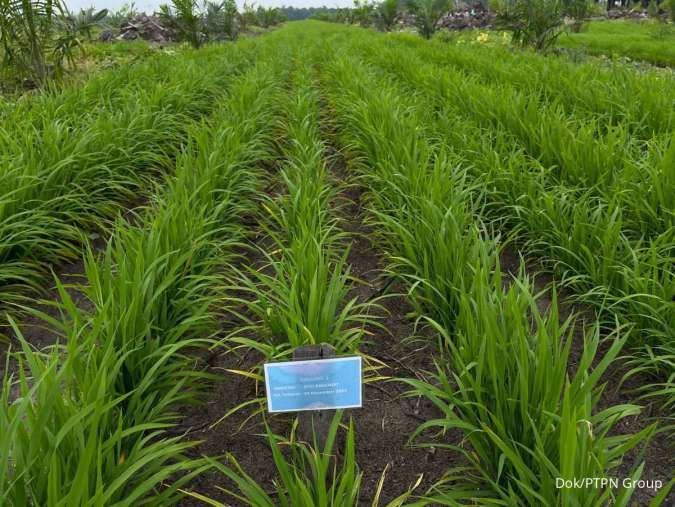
(427, 14)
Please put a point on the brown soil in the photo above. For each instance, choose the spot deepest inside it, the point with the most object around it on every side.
(384, 424)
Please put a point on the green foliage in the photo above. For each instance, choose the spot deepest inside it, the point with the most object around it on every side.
(582, 228)
(248, 15)
(33, 43)
(221, 20)
(534, 23)
(671, 5)
(90, 425)
(385, 14)
(301, 296)
(504, 377)
(578, 11)
(622, 39)
(363, 12)
(121, 16)
(308, 475)
(231, 19)
(527, 423)
(653, 9)
(188, 21)
(427, 14)
(84, 22)
(458, 148)
(270, 16)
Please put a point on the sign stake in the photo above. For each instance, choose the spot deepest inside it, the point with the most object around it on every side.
(316, 422)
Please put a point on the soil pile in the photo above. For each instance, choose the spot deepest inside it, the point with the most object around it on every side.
(476, 16)
(144, 27)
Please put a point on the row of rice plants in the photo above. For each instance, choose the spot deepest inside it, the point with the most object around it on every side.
(103, 88)
(575, 151)
(502, 376)
(644, 193)
(300, 295)
(583, 238)
(91, 425)
(642, 100)
(65, 172)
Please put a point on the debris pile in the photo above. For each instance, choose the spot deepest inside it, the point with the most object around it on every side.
(144, 27)
(626, 14)
(476, 16)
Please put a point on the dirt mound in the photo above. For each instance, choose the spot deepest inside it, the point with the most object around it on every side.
(475, 16)
(144, 27)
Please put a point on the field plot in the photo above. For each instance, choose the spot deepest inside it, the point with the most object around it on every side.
(492, 231)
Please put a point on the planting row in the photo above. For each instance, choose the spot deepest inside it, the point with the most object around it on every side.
(586, 239)
(502, 376)
(67, 166)
(643, 101)
(90, 424)
(445, 168)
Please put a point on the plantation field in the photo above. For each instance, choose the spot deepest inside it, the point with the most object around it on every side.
(648, 41)
(491, 230)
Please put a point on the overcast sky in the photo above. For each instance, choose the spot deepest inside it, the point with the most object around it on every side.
(150, 5)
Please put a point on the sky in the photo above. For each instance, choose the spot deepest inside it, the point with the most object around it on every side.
(150, 5)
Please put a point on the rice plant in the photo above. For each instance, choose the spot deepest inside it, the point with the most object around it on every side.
(62, 180)
(310, 475)
(503, 378)
(526, 421)
(587, 90)
(301, 294)
(241, 242)
(125, 365)
(595, 243)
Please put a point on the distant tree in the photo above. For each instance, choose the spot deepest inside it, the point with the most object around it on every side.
(298, 13)
(214, 20)
(231, 19)
(247, 18)
(84, 22)
(36, 39)
(427, 14)
(270, 16)
(122, 15)
(363, 12)
(385, 14)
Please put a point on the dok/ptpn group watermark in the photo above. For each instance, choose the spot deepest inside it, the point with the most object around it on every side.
(608, 482)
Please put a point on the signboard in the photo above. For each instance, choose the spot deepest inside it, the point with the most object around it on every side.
(317, 384)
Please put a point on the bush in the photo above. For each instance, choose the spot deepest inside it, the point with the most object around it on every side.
(427, 14)
(37, 38)
(578, 10)
(535, 23)
(220, 20)
(188, 21)
(385, 14)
